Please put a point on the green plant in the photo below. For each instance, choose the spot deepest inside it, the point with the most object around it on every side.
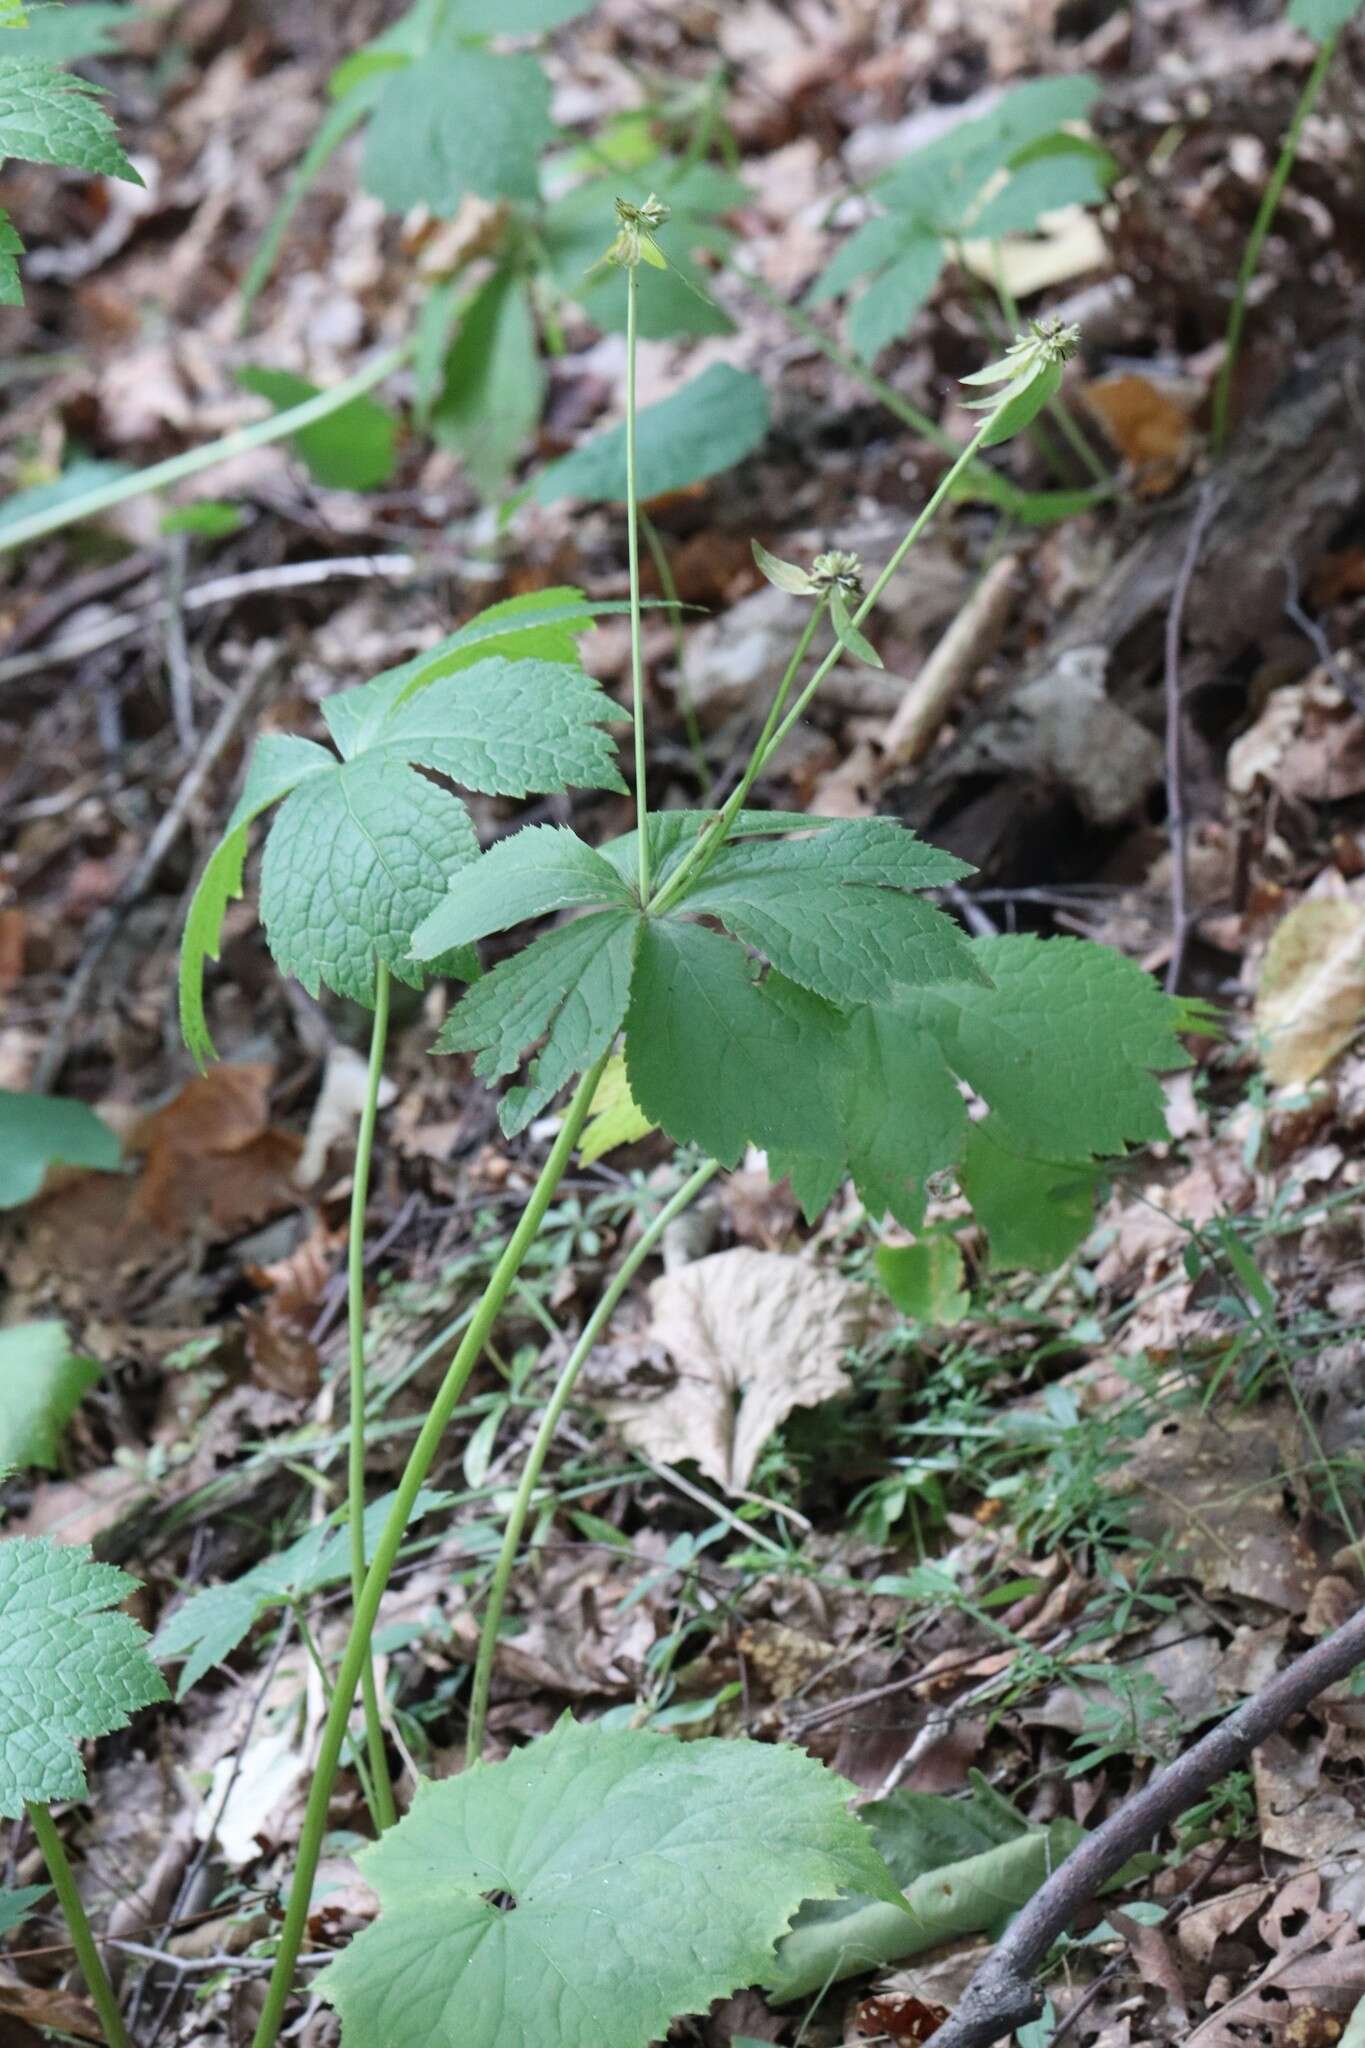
(776, 980)
(42, 1383)
(39, 1131)
(1324, 20)
(48, 115)
(69, 1670)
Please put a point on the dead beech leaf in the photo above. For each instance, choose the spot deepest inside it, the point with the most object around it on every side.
(213, 1156)
(1311, 999)
(754, 1335)
(1147, 426)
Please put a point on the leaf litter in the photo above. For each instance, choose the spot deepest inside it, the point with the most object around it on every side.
(1220, 1292)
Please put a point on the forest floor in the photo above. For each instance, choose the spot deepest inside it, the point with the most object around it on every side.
(1035, 1538)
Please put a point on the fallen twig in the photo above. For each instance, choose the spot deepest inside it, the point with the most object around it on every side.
(215, 590)
(1177, 825)
(972, 637)
(1002, 1996)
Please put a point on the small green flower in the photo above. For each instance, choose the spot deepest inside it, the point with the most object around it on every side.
(635, 243)
(837, 578)
(1030, 372)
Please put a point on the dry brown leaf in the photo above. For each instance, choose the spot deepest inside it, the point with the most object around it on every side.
(1300, 1814)
(1307, 742)
(61, 2012)
(1147, 426)
(1311, 998)
(214, 1158)
(336, 1113)
(754, 1335)
(1318, 1967)
(1212, 1488)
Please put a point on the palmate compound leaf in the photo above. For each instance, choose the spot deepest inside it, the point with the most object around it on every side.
(70, 1669)
(846, 1058)
(592, 1888)
(363, 847)
(829, 910)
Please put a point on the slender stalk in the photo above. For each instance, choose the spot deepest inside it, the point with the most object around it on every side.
(713, 838)
(549, 1423)
(390, 1542)
(637, 666)
(82, 1940)
(659, 556)
(383, 1808)
(705, 848)
(177, 467)
(1260, 228)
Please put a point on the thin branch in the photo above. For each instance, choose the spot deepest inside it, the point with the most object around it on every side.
(1177, 824)
(1002, 1996)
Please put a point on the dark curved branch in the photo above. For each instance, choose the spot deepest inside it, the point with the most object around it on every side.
(1002, 1995)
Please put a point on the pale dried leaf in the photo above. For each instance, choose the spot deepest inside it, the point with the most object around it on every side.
(754, 1335)
(1311, 999)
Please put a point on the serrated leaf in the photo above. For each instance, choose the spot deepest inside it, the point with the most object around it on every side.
(494, 382)
(826, 913)
(878, 242)
(16, 1905)
(353, 449)
(535, 871)
(883, 313)
(42, 1383)
(1065, 1045)
(616, 1118)
(706, 427)
(38, 1131)
(69, 1670)
(1322, 18)
(11, 248)
(573, 984)
(694, 1854)
(452, 124)
(354, 860)
(710, 1056)
(48, 116)
(362, 849)
(279, 763)
(207, 1628)
(672, 834)
(1034, 1212)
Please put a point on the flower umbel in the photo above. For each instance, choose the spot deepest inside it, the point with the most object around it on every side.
(1030, 372)
(837, 570)
(635, 243)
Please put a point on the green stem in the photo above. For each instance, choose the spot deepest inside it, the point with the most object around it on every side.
(659, 556)
(177, 467)
(384, 1810)
(713, 838)
(1260, 228)
(390, 1542)
(637, 667)
(73, 1911)
(549, 1423)
(770, 739)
